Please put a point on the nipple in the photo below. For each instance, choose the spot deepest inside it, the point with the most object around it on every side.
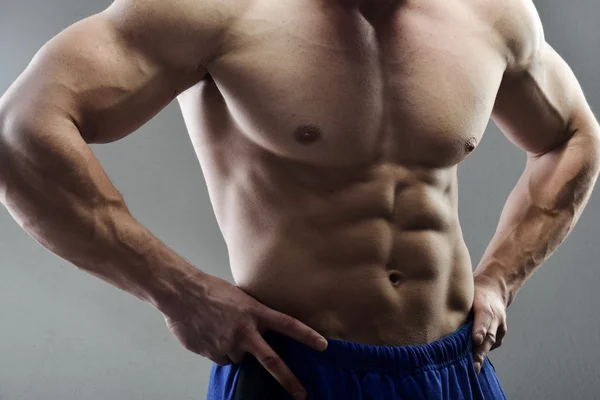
(470, 145)
(307, 134)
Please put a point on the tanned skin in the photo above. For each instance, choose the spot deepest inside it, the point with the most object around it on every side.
(329, 133)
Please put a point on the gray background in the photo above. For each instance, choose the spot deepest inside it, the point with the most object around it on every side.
(66, 335)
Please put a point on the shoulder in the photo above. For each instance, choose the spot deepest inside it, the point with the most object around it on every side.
(179, 31)
(520, 31)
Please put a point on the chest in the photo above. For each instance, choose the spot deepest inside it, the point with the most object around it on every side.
(343, 84)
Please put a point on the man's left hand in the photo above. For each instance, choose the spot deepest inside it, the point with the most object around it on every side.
(489, 328)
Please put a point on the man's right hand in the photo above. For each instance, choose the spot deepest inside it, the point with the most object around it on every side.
(218, 320)
(97, 82)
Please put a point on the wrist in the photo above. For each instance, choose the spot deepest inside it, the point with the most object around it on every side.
(145, 267)
(169, 288)
(496, 283)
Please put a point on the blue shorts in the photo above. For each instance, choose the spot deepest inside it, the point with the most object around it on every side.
(442, 370)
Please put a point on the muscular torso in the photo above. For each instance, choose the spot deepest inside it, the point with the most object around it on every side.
(329, 133)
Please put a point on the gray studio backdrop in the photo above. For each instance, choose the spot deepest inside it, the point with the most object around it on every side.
(65, 335)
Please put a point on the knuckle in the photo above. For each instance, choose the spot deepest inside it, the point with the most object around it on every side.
(271, 361)
(245, 328)
(487, 310)
(286, 321)
(255, 309)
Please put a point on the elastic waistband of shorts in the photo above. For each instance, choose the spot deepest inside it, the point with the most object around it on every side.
(349, 355)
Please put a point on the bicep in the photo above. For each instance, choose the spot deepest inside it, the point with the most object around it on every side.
(538, 106)
(90, 75)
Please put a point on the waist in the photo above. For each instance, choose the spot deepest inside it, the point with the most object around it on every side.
(378, 304)
(449, 349)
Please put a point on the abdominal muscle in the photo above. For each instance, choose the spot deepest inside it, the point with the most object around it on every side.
(372, 255)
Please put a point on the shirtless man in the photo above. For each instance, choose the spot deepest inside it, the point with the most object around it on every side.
(329, 133)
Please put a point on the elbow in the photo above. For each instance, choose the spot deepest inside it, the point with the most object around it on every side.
(589, 143)
(9, 123)
(4, 162)
(595, 141)
(5, 167)
(584, 147)
(4, 137)
(586, 138)
(10, 127)
(3, 122)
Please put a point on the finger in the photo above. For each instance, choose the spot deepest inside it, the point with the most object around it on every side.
(481, 351)
(271, 361)
(293, 328)
(502, 329)
(483, 320)
(477, 367)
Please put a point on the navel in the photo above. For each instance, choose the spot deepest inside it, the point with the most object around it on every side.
(307, 134)
(396, 278)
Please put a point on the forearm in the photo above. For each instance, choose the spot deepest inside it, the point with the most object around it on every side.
(541, 211)
(56, 190)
